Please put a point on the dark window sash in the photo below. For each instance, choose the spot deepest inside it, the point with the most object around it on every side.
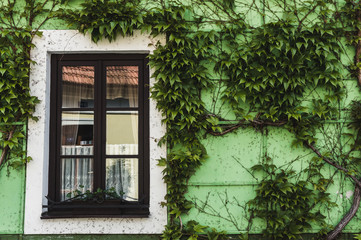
(99, 61)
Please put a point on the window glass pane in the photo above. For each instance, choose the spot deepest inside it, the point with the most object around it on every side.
(122, 86)
(78, 86)
(76, 177)
(122, 177)
(122, 133)
(77, 132)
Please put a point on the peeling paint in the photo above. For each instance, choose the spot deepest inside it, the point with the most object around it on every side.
(349, 194)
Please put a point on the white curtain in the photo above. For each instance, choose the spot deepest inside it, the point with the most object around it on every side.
(73, 94)
(122, 82)
(76, 173)
(121, 173)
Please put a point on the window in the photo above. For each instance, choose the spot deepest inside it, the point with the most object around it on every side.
(38, 146)
(99, 136)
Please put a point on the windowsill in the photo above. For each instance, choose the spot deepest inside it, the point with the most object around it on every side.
(54, 215)
(107, 209)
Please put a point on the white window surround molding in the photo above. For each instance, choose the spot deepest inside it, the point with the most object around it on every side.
(67, 42)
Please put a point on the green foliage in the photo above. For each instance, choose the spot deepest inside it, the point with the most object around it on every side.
(283, 72)
(169, 20)
(216, 235)
(348, 16)
(16, 156)
(98, 196)
(104, 18)
(355, 115)
(16, 103)
(18, 28)
(288, 206)
(357, 236)
(277, 68)
(172, 231)
(181, 76)
(286, 72)
(194, 229)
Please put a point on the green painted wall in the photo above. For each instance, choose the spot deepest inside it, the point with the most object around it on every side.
(79, 237)
(12, 187)
(12, 197)
(225, 184)
(224, 181)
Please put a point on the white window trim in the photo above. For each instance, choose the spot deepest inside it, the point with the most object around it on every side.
(71, 41)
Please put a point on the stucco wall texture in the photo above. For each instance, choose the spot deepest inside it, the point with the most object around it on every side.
(71, 41)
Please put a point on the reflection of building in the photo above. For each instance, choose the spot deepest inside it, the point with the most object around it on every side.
(77, 129)
(121, 80)
(79, 96)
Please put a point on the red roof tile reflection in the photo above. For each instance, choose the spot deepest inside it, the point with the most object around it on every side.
(116, 75)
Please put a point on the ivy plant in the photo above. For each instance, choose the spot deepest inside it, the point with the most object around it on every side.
(20, 22)
(284, 70)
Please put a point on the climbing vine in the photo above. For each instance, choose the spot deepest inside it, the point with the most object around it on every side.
(286, 69)
(20, 22)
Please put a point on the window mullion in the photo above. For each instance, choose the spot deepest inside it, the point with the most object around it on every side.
(98, 123)
(103, 122)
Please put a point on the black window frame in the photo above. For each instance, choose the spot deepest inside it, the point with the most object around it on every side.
(108, 208)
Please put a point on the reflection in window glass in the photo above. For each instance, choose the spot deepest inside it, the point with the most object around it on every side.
(122, 133)
(122, 86)
(77, 133)
(76, 175)
(122, 176)
(78, 86)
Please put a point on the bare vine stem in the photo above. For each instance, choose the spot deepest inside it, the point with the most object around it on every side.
(6, 149)
(258, 123)
(307, 14)
(334, 164)
(347, 218)
(356, 199)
